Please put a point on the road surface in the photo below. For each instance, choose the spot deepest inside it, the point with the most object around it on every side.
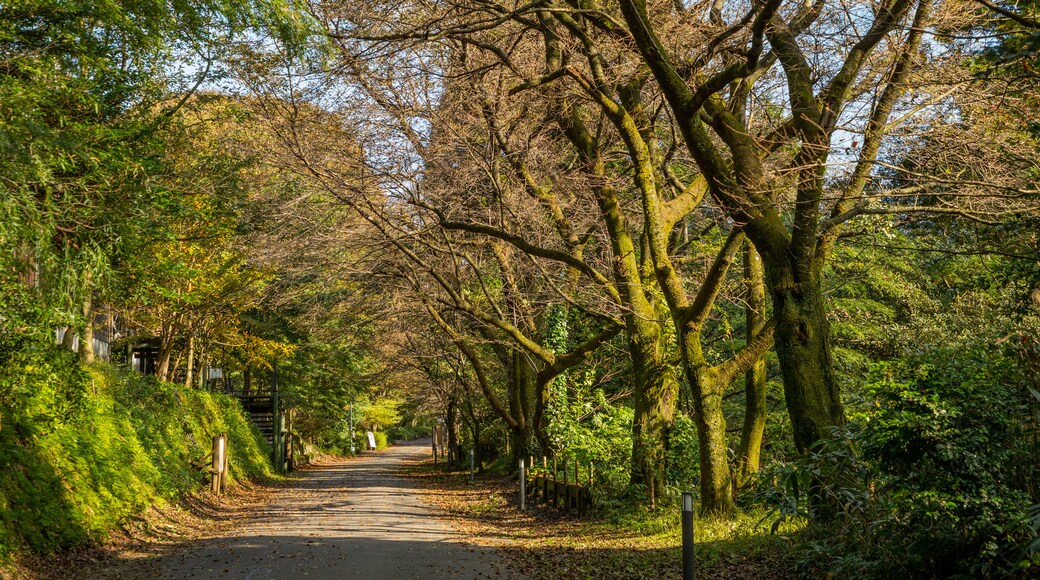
(349, 519)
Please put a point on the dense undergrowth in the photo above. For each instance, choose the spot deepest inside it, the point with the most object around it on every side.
(85, 447)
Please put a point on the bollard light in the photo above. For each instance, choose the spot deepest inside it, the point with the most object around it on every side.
(687, 535)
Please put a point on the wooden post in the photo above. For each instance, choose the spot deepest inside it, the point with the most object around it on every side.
(577, 485)
(545, 480)
(217, 466)
(214, 485)
(566, 487)
(556, 487)
(224, 465)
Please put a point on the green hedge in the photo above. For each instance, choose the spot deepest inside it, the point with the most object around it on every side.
(84, 448)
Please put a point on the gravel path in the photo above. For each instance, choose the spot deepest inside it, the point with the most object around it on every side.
(350, 519)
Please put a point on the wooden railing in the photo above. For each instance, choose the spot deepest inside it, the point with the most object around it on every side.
(556, 486)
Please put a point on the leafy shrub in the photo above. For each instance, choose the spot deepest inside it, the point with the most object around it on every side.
(381, 441)
(949, 437)
(681, 458)
(592, 429)
(935, 477)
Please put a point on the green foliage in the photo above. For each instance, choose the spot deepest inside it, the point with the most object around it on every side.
(380, 413)
(830, 486)
(683, 469)
(89, 447)
(408, 432)
(590, 428)
(936, 476)
(381, 440)
(951, 434)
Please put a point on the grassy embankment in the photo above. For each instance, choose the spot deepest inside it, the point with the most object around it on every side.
(85, 448)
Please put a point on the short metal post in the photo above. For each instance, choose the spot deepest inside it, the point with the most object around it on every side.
(523, 485)
(687, 536)
(471, 466)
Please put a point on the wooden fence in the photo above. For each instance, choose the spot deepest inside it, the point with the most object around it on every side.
(556, 486)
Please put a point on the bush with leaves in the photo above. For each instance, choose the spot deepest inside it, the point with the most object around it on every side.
(935, 476)
(951, 435)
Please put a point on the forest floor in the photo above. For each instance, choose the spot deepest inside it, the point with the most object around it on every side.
(544, 543)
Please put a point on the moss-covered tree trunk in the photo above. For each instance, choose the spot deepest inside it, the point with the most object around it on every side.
(716, 487)
(654, 403)
(521, 403)
(803, 346)
(450, 422)
(750, 454)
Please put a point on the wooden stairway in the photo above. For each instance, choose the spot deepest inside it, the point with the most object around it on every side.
(260, 406)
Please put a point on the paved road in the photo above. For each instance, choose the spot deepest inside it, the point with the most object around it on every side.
(353, 519)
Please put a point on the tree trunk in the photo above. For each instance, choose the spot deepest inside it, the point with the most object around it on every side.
(165, 352)
(522, 388)
(453, 436)
(86, 341)
(716, 479)
(803, 346)
(655, 396)
(68, 340)
(749, 458)
(544, 392)
(189, 371)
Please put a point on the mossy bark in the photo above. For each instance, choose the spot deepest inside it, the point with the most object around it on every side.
(750, 453)
(522, 389)
(450, 422)
(654, 400)
(716, 485)
(803, 346)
